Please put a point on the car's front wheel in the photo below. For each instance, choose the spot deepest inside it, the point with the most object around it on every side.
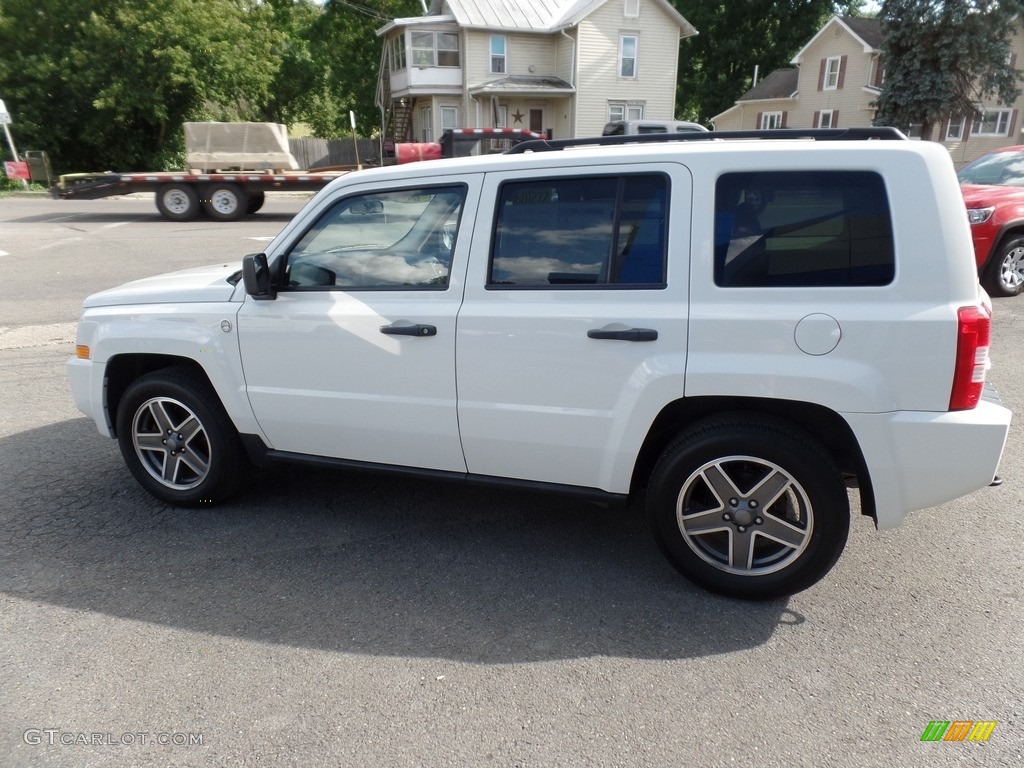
(749, 507)
(1005, 272)
(177, 440)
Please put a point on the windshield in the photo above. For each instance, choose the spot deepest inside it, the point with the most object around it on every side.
(996, 168)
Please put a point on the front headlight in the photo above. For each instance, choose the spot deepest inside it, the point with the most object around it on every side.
(980, 215)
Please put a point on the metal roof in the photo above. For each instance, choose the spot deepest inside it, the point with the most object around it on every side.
(533, 15)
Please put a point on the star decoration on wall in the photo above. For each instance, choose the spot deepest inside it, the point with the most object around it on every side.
(518, 116)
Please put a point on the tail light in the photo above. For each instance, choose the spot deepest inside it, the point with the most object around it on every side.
(974, 330)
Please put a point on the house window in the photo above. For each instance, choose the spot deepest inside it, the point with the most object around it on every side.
(826, 118)
(501, 116)
(832, 73)
(992, 123)
(955, 131)
(449, 118)
(447, 49)
(631, 8)
(621, 110)
(426, 124)
(498, 54)
(397, 51)
(770, 121)
(627, 56)
(435, 49)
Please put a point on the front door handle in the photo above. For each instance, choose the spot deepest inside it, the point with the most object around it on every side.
(622, 333)
(409, 329)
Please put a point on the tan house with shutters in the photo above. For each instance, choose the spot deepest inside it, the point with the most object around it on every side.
(565, 67)
(836, 78)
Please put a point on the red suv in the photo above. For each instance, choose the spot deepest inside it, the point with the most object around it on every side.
(993, 188)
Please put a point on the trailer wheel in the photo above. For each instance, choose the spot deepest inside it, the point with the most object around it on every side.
(225, 202)
(177, 202)
(256, 200)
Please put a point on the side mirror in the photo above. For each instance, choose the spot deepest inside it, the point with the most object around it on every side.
(256, 276)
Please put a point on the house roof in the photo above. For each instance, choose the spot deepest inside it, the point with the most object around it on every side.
(868, 32)
(524, 84)
(533, 15)
(780, 84)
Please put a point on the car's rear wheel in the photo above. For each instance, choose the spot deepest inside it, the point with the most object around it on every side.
(749, 507)
(1005, 272)
(177, 440)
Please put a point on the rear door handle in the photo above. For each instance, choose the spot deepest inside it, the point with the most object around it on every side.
(409, 329)
(623, 334)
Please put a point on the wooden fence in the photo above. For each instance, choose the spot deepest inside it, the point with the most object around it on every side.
(325, 153)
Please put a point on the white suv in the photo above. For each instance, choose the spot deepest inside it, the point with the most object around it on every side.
(735, 330)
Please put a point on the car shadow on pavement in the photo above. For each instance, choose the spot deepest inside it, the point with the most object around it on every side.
(354, 562)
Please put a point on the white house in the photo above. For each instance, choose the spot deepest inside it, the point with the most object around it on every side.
(565, 67)
(836, 79)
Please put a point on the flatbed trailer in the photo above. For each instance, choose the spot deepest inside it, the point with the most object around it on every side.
(230, 195)
(180, 196)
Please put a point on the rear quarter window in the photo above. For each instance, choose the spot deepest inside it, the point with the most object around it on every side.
(794, 229)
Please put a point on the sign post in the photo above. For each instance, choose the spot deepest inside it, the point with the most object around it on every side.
(5, 120)
(355, 141)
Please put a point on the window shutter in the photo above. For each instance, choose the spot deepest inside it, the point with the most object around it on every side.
(1013, 124)
(842, 72)
(784, 115)
(835, 119)
(817, 119)
(821, 75)
(1013, 61)
(758, 123)
(879, 72)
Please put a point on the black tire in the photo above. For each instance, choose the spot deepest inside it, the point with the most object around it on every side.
(177, 439)
(776, 480)
(1004, 275)
(177, 202)
(256, 200)
(225, 202)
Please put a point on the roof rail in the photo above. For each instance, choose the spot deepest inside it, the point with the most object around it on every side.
(818, 134)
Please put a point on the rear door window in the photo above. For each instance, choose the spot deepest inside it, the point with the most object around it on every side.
(581, 232)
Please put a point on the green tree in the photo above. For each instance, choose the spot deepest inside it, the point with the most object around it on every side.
(943, 57)
(107, 84)
(344, 43)
(717, 66)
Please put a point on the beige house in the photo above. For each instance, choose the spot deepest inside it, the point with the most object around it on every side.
(565, 67)
(836, 78)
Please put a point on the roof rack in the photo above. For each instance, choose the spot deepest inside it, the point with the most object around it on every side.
(817, 134)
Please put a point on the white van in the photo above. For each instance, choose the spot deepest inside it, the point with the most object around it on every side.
(629, 127)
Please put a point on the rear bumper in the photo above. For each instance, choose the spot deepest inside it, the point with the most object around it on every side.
(920, 459)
